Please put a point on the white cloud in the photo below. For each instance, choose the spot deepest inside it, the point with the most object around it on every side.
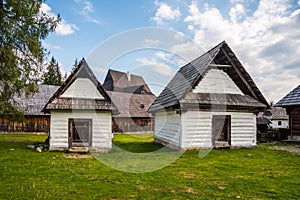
(237, 13)
(165, 12)
(267, 42)
(87, 10)
(158, 67)
(63, 28)
(187, 51)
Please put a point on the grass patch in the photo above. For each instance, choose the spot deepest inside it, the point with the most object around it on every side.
(258, 173)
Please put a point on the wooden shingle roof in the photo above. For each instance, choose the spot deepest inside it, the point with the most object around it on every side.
(32, 105)
(278, 113)
(82, 70)
(189, 76)
(291, 99)
(125, 82)
(132, 105)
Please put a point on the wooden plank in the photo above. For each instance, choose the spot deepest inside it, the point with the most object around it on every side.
(219, 65)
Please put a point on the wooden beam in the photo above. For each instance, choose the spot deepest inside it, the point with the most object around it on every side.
(240, 74)
(219, 65)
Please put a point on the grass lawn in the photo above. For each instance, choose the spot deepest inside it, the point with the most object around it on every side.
(258, 173)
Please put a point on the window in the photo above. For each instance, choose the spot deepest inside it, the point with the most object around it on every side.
(80, 132)
(279, 123)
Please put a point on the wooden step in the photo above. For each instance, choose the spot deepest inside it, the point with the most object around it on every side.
(219, 145)
(78, 150)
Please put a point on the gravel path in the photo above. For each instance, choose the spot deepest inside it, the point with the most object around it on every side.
(290, 148)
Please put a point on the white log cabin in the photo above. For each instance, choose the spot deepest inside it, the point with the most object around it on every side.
(210, 102)
(81, 113)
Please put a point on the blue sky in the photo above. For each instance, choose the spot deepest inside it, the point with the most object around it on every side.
(265, 35)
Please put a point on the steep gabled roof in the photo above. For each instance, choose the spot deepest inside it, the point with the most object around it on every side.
(132, 105)
(278, 113)
(82, 70)
(33, 104)
(189, 76)
(291, 99)
(125, 82)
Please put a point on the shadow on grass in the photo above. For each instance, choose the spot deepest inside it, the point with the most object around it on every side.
(138, 147)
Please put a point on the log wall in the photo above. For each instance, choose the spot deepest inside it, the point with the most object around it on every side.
(30, 124)
(295, 121)
(127, 124)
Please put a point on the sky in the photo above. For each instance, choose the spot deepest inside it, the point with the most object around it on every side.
(155, 38)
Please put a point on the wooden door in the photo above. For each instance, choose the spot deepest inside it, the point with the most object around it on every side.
(221, 129)
(80, 132)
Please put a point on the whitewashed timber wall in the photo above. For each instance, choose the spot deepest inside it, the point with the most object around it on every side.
(217, 81)
(243, 129)
(284, 123)
(196, 129)
(101, 128)
(193, 129)
(82, 88)
(168, 127)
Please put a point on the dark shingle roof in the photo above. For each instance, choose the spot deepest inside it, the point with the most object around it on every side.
(82, 70)
(131, 105)
(120, 82)
(291, 99)
(189, 75)
(33, 104)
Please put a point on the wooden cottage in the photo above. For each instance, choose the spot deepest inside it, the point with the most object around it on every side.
(292, 104)
(210, 102)
(278, 117)
(132, 97)
(81, 112)
(125, 82)
(34, 119)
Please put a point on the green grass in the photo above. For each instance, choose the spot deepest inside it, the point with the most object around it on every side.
(258, 173)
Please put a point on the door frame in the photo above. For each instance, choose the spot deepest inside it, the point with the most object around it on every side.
(71, 129)
(227, 123)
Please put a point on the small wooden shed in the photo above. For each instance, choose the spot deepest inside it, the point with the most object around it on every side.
(210, 102)
(132, 97)
(81, 112)
(292, 104)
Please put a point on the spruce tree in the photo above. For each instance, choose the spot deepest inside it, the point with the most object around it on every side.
(52, 76)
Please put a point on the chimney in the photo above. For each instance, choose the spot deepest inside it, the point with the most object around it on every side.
(128, 75)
